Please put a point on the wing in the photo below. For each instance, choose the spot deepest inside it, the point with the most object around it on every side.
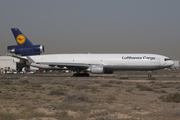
(64, 64)
(71, 66)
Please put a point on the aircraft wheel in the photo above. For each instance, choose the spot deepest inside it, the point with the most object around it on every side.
(149, 74)
(87, 75)
(81, 75)
(74, 75)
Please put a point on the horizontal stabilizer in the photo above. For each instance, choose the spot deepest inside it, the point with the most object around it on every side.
(17, 56)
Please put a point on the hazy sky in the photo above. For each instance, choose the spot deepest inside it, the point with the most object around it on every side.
(95, 26)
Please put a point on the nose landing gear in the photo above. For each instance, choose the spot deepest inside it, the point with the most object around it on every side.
(149, 74)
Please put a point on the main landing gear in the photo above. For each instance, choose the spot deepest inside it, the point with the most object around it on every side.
(81, 74)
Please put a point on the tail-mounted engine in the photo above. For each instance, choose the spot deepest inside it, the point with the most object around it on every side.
(25, 51)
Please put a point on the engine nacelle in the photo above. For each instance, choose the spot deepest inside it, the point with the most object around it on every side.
(31, 50)
(95, 69)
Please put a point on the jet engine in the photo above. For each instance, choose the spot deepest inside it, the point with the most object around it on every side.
(31, 50)
(96, 69)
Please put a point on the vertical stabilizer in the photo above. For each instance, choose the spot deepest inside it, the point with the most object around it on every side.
(24, 47)
(20, 38)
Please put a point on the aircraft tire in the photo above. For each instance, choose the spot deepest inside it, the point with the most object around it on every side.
(81, 75)
(85, 74)
(75, 75)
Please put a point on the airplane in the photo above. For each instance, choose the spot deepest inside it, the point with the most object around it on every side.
(83, 64)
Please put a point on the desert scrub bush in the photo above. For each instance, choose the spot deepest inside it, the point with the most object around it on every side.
(124, 78)
(7, 82)
(152, 82)
(69, 83)
(22, 94)
(78, 97)
(54, 82)
(144, 88)
(119, 82)
(30, 113)
(24, 81)
(56, 92)
(94, 91)
(137, 108)
(171, 97)
(160, 91)
(97, 81)
(170, 83)
(13, 88)
(33, 91)
(115, 82)
(112, 81)
(106, 118)
(158, 83)
(175, 113)
(50, 87)
(36, 85)
(129, 90)
(4, 115)
(105, 85)
(81, 86)
(151, 78)
(164, 86)
(3, 77)
(69, 106)
(6, 97)
(61, 114)
(111, 97)
(99, 113)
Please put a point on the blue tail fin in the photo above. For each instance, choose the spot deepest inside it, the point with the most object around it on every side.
(20, 38)
(24, 47)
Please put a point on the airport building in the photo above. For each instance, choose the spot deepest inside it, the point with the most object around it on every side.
(176, 64)
(7, 64)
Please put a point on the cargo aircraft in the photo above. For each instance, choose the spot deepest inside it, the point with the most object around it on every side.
(83, 64)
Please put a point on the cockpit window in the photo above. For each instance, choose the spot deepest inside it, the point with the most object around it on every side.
(166, 59)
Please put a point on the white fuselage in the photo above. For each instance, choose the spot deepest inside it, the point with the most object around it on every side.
(108, 61)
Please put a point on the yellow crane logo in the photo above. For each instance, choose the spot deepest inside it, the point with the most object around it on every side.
(20, 39)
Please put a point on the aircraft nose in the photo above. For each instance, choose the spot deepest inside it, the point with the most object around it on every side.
(171, 63)
(168, 63)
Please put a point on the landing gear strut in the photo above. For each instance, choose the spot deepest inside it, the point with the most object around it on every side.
(149, 74)
(81, 74)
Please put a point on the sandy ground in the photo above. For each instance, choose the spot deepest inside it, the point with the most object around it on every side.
(121, 96)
